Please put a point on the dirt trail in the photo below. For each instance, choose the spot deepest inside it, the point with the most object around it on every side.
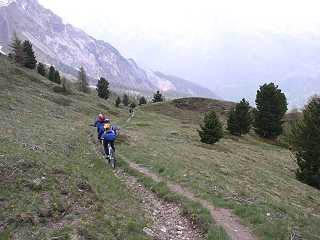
(168, 223)
(223, 217)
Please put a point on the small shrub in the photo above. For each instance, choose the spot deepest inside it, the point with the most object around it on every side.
(211, 130)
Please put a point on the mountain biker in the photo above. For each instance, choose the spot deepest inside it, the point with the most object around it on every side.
(109, 136)
(99, 123)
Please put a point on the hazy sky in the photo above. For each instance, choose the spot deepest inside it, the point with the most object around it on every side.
(183, 36)
(182, 18)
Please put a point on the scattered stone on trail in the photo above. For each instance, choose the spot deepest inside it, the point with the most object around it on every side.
(148, 232)
(11, 108)
(168, 223)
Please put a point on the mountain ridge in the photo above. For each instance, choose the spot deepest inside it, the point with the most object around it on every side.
(69, 47)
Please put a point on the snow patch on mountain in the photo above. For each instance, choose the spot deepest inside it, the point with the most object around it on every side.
(161, 83)
(2, 52)
(4, 3)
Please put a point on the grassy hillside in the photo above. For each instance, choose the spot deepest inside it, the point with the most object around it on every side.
(252, 177)
(54, 186)
(52, 183)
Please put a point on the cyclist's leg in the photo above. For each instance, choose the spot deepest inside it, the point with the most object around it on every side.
(112, 145)
(105, 146)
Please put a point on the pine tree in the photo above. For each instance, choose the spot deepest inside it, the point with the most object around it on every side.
(211, 130)
(125, 100)
(17, 53)
(240, 120)
(30, 58)
(103, 88)
(83, 84)
(57, 78)
(157, 97)
(142, 101)
(271, 106)
(118, 101)
(41, 69)
(305, 142)
(52, 74)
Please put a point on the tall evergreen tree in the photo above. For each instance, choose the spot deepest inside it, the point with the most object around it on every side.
(240, 119)
(305, 142)
(29, 56)
(57, 78)
(271, 106)
(103, 88)
(157, 97)
(142, 101)
(83, 84)
(17, 52)
(125, 100)
(52, 74)
(211, 130)
(118, 101)
(41, 69)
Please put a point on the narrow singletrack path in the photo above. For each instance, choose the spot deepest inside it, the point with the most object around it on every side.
(167, 221)
(222, 216)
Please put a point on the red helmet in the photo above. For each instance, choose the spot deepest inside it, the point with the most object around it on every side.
(101, 117)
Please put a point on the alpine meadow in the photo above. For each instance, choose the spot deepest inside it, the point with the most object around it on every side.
(221, 142)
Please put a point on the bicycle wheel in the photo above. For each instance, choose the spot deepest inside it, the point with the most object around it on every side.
(112, 158)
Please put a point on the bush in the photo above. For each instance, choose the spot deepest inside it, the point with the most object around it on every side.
(125, 100)
(142, 101)
(240, 119)
(118, 101)
(271, 106)
(305, 142)
(41, 69)
(211, 130)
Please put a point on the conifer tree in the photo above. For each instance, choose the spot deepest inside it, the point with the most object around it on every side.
(125, 100)
(142, 101)
(83, 84)
(157, 97)
(305, 142)
(211, 130)
(240, 120)
(103, 88)
(17, 53)
(41, 69)
(52, 74)
(29, 56)
(271, 106)
(118, 101)
(57, 78)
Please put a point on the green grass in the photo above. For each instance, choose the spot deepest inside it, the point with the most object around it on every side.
(50, 174)
(253, 177)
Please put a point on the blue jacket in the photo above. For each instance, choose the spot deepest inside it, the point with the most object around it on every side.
(100, 126)
(109, 135)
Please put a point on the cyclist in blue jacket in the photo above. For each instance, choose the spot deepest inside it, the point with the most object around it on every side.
(109, 136)
(99, 123)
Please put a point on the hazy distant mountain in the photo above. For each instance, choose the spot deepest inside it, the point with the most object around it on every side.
(68, 48)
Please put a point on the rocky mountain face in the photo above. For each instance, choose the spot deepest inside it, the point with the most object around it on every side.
(68, 47)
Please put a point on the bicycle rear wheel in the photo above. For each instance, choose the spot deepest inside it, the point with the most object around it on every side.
(112, 158)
